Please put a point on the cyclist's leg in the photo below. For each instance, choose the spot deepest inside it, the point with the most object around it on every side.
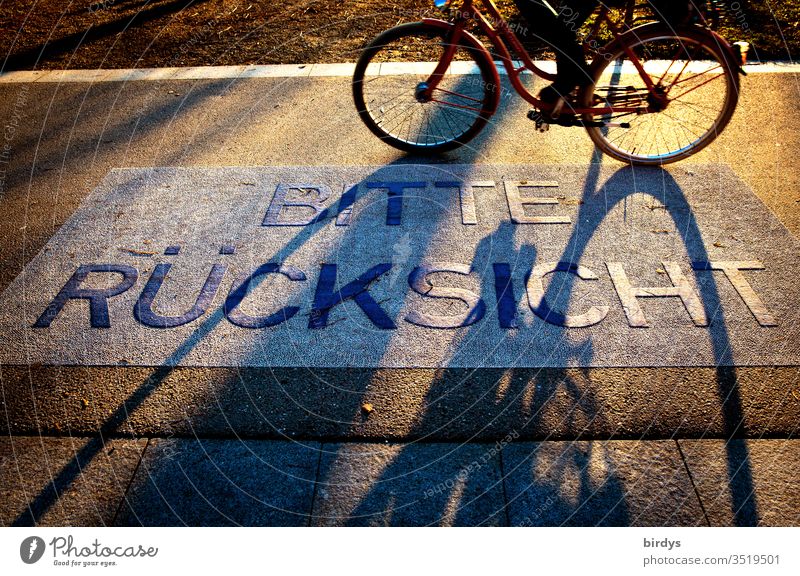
(557, 23)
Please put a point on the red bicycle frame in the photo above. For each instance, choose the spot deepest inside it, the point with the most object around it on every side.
(502, 36)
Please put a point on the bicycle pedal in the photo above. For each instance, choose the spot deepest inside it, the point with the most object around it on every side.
(544, 120)
(539, 118)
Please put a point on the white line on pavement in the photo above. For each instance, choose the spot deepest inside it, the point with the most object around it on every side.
(279, 71)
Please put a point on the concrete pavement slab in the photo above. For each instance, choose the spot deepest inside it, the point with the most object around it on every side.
(409, 485)
(746, 482)
(64, 481)
(277, 71)
(339, 69)
(71, 135)
(64, 140)
(432, 405)
(18, 76)
(79, 76)
(222, 483)
(141, 74)
(614, 483)
(209, 72)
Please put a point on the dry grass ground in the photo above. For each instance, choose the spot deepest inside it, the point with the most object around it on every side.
(142, 33)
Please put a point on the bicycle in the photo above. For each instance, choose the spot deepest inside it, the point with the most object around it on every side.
(658, 94)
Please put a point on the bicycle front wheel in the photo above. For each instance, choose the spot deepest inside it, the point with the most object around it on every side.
(695, 95)
(392, 74)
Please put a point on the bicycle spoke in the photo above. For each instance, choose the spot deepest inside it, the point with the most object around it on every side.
(456, 94)
(410, 111)
(446, 117)
(456, 110)
(717, 77)
(402, 114)
(717, 67)
(383, 106)
(454, 105)
(664, 75)
(702, 95)
(695, 108)
(385, 113)
(683, 123)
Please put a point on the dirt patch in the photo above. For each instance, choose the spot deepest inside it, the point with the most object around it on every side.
(150, 33)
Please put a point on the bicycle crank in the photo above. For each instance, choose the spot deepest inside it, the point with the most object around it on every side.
(543, 121)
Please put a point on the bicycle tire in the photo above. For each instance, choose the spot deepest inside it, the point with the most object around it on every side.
(449, 123)
(692, 119)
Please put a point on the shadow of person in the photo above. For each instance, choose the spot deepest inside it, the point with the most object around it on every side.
(659, 183)
(454, 482)
(117, 420)
(450, 400)
(216, 312)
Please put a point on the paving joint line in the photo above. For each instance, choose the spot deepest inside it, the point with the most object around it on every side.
(314, 489)
(124, 497)
(691, 479)
(506, 503)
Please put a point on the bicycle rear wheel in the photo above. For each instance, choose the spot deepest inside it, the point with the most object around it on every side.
(389, 79)
(697, 89)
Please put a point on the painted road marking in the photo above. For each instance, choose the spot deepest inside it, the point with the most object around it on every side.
(289, 71)
(404, 266)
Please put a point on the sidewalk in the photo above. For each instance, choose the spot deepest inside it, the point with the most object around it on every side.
(168, 482)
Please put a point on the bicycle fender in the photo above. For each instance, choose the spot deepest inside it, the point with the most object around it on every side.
(623, 39)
